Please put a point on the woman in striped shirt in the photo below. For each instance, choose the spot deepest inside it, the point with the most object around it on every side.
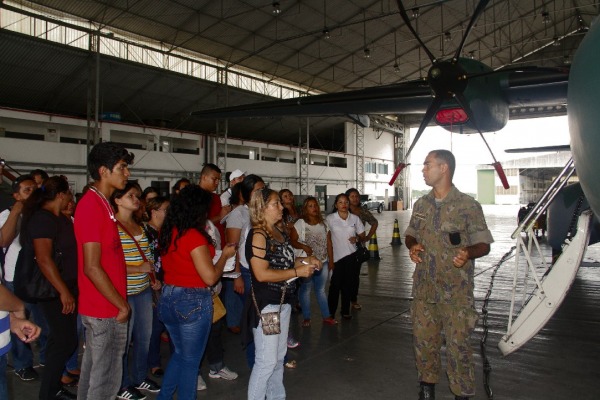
(140, 282)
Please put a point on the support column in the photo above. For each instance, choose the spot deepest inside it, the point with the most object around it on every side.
(402, 189)
(93, 94)
(360, 158)
(305, 160)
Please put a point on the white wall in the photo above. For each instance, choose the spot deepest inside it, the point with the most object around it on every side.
(70, 159)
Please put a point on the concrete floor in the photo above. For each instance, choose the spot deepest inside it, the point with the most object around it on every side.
(371, 355)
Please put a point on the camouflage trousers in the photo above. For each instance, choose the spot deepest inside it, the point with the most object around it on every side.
(456, 323)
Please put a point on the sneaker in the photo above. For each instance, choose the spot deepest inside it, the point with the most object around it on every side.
(149, 385)
(63, 394)
(130, 393)
(27, 374)
(200, 384)
(292, 343)
(224, 373)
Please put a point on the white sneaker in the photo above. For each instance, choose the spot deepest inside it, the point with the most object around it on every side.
(224, 373)
(200, 384)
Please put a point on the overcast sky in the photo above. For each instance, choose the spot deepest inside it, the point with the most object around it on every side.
(470, 150)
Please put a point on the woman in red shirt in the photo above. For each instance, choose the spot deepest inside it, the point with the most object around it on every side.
(185, 306)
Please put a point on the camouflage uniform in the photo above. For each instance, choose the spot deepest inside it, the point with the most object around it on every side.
(443, 294)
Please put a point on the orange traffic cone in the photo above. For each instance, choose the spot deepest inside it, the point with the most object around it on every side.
(374, 248)
(396, 235)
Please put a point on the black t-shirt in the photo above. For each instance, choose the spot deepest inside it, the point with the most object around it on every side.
(45, 225)
(280, 256)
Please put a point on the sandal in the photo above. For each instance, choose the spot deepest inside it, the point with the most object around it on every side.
(292, 364)
(329, 321)
(69, 381)
(356, 306)
(306, 323)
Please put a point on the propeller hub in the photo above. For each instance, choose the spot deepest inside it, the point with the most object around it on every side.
(446, 79)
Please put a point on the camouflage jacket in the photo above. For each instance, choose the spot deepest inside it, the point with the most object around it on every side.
(442, 228)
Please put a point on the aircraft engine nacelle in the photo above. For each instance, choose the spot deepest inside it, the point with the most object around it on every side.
(485, 98)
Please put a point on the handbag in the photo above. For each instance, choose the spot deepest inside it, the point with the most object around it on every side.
(271, 321)
(219, 310)
(362, 253)
(30, 284)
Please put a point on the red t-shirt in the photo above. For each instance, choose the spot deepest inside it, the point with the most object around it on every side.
(214, 209)
(177, 264)
(93, 224)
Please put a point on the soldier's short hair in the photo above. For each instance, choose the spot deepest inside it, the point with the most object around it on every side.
(448, 158)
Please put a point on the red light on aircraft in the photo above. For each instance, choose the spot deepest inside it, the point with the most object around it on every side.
(451, 116)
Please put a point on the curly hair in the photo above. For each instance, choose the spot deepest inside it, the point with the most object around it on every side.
(51, 188)
(257, 206)
(188, 210)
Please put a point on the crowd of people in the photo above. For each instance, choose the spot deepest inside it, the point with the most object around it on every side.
(130, 268)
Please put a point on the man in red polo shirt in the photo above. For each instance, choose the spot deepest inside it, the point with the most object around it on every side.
(209, 181)
(102, 275)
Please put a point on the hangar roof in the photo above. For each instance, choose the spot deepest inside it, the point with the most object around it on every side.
(289, 46)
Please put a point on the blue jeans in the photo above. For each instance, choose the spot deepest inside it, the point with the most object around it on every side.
(22, 353)
(102, 364)
(139, 330)
(73, 362)
(266, 379)
(234, 303)
(318, 280)
(187, 314)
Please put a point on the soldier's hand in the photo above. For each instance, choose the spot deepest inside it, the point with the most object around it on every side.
(414, 253)
(460, 258)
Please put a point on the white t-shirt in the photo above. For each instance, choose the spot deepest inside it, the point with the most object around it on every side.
(341, 231)
(314, 236)
(225, 197)
(10, 260)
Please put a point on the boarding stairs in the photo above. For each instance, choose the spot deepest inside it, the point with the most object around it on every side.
(550, 289)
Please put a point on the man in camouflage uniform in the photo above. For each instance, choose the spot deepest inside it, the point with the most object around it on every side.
(447, 231)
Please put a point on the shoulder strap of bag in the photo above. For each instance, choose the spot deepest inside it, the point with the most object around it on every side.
(151, 274)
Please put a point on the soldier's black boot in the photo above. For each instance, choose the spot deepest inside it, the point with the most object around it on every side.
(427, 391)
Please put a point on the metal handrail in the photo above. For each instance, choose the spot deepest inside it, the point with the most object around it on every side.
(549, 195)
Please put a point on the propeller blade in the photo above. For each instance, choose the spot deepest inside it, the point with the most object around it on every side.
(478, 10)
(501, 174)
(462, 101)
(404, 16)
(429, 114)
(399, 169)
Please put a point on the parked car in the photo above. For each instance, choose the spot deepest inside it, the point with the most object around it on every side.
(371, 204)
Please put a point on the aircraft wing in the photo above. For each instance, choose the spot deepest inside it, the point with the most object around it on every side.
(409, 97)
(527, 87)
(541, 149)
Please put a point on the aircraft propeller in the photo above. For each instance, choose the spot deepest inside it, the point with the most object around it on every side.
(447, 80)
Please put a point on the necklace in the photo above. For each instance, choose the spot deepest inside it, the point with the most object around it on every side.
(105, 202)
